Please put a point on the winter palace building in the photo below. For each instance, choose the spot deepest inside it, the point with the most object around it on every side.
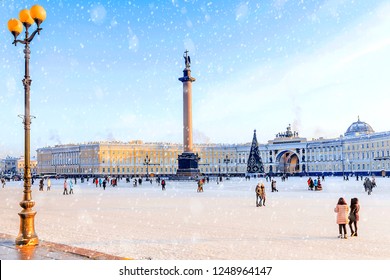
(360, 151)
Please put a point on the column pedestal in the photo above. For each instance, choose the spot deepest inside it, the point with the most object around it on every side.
(188, 165)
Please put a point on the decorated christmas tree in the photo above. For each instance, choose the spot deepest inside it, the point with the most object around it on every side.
(255, 164)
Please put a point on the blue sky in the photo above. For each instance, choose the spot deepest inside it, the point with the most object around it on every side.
(108, 70)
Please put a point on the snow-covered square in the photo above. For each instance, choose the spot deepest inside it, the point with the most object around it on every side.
(221, 223)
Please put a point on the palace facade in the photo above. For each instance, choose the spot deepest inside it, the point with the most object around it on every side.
(360, 151)
(137, 158)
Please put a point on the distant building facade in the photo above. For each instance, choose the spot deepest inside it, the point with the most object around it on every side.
(15, 165)
(20, 165)
(360, 151)
(2, 166)
(119, 158)
(10, 164)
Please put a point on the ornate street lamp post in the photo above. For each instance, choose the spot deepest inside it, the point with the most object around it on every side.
(37, 14)
(147, 162)
(227, 160)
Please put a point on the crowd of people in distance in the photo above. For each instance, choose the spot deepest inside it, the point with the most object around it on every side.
(315, 184)
(369, 185)
(97, 181)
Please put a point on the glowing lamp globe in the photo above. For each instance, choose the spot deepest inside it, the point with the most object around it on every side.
(38, 13)
(25, 17)
(15, 26)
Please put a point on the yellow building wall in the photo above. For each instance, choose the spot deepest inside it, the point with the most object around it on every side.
(129, 159)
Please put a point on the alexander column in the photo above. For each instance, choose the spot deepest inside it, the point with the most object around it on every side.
(188, 161)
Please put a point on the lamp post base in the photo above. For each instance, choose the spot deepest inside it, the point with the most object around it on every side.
(27, 235)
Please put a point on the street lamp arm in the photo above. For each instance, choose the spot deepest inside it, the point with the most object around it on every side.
(18, 41)
(29, 39)
(33, 34)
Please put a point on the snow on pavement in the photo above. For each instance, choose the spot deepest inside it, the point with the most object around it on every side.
(222, 223)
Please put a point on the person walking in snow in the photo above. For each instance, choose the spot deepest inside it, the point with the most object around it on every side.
(319, 186)
(368, 186)
(258, 195)
(3, 182)
(354, 215)
(373, 183)
(41, 184)
(310, 183)
(365, 184)
(163, 185)
(70, 187)
(273, 186)
(342, 210)
(200, 185)
(65, 188)
(262, 193)
(104, 184)
(48, 184)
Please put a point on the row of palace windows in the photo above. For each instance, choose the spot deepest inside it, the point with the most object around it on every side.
(350, 156)
(349, 167)
(127, 170)
(166, 170)
(318, 157)
(349, 147)
(72, 161)
(169, 154)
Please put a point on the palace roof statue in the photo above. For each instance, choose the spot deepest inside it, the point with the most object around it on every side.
(288, 133)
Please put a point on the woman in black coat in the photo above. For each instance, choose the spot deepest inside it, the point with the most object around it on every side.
(354, 215)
